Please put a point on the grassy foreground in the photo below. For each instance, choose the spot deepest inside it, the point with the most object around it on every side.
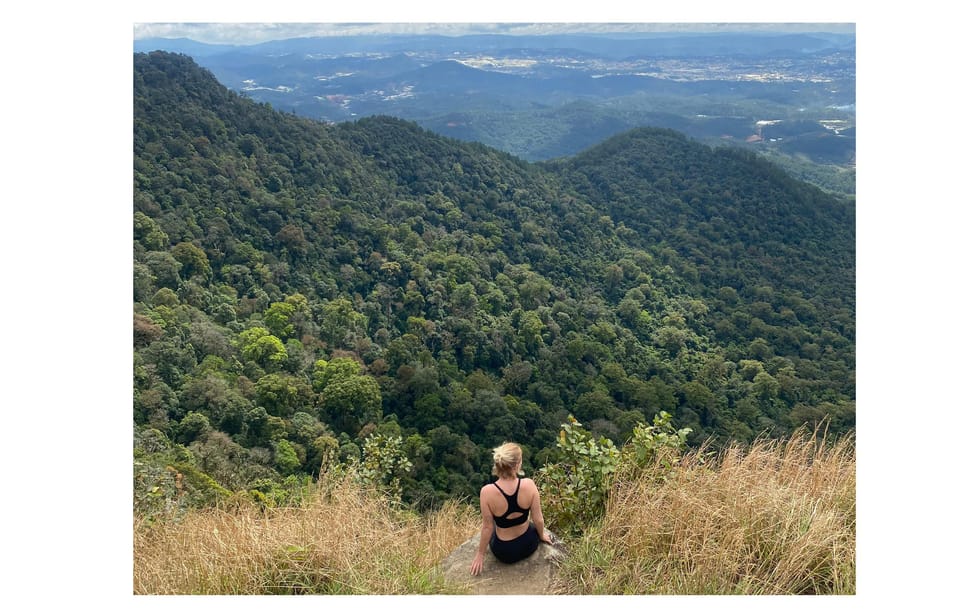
(344, 540)
(778, 517)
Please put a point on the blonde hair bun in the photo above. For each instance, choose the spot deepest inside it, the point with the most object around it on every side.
(506, 459)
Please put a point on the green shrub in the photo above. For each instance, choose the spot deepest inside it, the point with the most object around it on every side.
(574, 489)
(658, 443)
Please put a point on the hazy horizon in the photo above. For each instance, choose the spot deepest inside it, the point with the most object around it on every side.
(255, 33)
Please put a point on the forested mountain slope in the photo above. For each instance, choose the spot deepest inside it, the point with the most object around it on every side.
(301, 288)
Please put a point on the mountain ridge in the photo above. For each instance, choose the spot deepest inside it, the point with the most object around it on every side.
(613, 45)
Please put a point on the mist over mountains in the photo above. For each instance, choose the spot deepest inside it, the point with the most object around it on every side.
(611, 45)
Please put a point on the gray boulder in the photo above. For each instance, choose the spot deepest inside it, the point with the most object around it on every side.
(533, 575)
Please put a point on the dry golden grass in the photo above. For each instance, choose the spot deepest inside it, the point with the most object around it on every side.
(343, 541)
(776, 518)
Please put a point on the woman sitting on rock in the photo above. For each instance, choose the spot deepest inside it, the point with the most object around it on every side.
(507, 506)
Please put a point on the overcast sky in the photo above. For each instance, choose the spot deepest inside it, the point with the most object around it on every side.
(253, 21)
(248, 33)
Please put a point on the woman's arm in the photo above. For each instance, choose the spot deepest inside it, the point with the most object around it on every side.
(486, 532)
(536, 515)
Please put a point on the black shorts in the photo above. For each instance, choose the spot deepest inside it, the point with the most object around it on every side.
(515, 549)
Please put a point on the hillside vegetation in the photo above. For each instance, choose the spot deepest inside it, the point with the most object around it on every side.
(373, 296)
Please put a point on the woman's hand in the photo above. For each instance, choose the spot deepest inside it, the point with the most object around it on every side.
(477, 567)
(546, 539)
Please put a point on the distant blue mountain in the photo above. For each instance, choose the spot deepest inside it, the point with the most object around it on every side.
(610, 46)
(184, 46)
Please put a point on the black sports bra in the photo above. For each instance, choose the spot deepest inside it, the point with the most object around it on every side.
(512, 506)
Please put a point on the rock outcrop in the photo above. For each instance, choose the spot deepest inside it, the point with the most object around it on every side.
(533, 575)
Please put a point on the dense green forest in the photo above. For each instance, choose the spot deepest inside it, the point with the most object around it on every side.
(816, 155)
(307, 292)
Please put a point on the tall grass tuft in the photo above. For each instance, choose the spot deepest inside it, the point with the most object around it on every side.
(343, 540)
(777, 517)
